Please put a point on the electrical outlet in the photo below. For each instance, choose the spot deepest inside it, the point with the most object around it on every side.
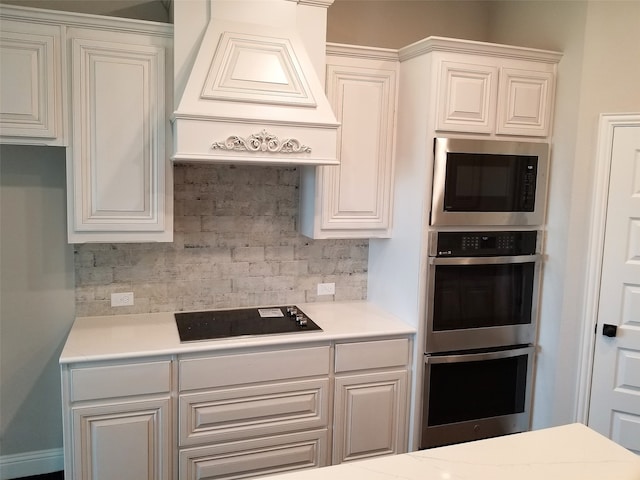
(124, 299)
(326, 289)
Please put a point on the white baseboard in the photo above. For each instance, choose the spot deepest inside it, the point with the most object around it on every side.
(31, 463)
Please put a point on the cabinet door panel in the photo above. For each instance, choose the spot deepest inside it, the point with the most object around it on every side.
(467, 97)
(115, 152)
(123, 156)
(525, 101)
(123, 441)
(357, 191)
(121, 177)
(245, 412)
(31, 85)
(261, 456)
(354, 199)
(369, 415)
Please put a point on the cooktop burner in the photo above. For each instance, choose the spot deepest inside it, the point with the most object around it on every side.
(193, 326)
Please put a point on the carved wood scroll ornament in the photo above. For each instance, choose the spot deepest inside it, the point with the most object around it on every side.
(262, 142)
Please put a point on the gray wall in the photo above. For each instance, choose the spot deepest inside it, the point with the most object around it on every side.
(36, 296)
(397, 23)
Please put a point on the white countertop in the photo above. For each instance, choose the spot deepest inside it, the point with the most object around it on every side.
(141, 335)
(569, 452)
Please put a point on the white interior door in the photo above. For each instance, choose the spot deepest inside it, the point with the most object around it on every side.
(614, 408)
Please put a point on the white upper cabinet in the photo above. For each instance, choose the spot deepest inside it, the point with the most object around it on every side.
(103, 87)
(467, 96)
(354, 199)
(525, 102)
(119, 172)
(31, 103)
(492, 89)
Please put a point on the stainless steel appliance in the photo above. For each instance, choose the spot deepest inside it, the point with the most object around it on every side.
(469, 396)
(482, 289)
(207, 325)
(489, 182)
(481, 326)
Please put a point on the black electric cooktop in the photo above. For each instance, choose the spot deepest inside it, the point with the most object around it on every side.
(194, 326)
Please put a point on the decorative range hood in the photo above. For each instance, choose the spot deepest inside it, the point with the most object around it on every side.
(252, 92)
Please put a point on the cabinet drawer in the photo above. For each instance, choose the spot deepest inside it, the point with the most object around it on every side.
(246, 412)
(262, 456)
(120, 380)
(366, 355)
(255, 367)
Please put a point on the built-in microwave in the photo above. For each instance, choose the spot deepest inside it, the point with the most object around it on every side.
(489, 182)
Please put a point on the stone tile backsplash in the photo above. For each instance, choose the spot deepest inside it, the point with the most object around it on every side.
(235, 244)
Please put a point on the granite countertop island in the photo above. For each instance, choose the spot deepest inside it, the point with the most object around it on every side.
(113, 337)
(569, 452)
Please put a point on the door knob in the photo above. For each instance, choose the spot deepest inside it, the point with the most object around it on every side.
(609, 330)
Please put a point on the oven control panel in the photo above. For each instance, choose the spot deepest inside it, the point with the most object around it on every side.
(480, 244)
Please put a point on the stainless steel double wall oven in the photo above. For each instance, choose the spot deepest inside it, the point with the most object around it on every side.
(482, 288)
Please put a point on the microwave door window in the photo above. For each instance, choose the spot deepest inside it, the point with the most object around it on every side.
(477, 296)
(473, 390)
(480, 183)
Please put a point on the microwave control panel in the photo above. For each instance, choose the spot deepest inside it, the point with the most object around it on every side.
(529, 185)
(483, 244)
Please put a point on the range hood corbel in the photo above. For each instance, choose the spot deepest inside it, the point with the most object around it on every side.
(253, 94)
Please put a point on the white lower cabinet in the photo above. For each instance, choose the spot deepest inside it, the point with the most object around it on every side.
(117, 420)
(370, 403)
(227, 414)
(235, 414)
(254, 413)
(124, 440)
(255, 457)
(369, 415)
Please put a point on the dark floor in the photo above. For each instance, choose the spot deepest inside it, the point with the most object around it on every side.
(46, 476)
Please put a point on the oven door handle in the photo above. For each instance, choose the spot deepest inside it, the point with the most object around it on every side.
(483, 260)
(478, 356)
